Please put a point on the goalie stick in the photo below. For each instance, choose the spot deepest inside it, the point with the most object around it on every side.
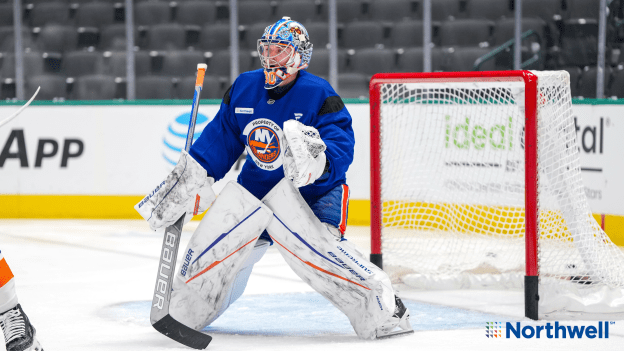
(8, 119)
(159, 315)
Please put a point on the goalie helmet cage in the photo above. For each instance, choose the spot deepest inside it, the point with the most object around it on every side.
(476, 182)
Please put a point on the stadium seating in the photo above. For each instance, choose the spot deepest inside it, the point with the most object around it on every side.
(57, 38)
(82, 63)
(392, 10)
(442, 10)
(113, 37)
(96, 14)
(148, 13)
(52, 87)
(412, 60)
(214, 37)
(303, 11)
(464, 59)
(319, 65)
(166, 36)
(211, 89)
(453, 33)
(196, 13)
(407, 34)
(33, 64)
(362, 34)
(488, 9)
(154, 87)
(76, 37)
(617, 83)
(589, 78)
(579, 42)
(544, 9)
(219, 63)
(581, 9)
(115, 63)
(254, 11)
(319, 34)
(575, 79)
(94, 87)
(371, 61)
(6, 14)
(181, 63)
(49, 13)
(353, 85)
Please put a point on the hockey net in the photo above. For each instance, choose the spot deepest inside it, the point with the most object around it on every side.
(459, 202)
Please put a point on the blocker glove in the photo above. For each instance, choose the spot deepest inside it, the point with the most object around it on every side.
(304, 159)
(188, 189)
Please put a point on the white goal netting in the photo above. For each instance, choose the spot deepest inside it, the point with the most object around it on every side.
(453, 187)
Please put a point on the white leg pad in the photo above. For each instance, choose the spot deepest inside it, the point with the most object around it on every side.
(218, 251)
(335, 269)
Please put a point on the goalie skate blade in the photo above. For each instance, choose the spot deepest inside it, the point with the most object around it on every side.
(181, 333)
(395, 333)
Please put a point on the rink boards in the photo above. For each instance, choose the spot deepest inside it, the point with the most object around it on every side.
(97, 159)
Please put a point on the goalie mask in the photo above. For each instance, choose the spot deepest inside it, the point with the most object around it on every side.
(284, 49)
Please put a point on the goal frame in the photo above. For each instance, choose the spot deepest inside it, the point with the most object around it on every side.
(531, 293)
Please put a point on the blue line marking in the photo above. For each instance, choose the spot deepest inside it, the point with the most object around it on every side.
(223, 236)
(305, 243)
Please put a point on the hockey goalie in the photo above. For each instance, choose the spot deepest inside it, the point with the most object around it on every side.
(291, 193)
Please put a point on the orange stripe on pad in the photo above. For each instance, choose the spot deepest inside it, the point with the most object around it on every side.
(319, 268)
(5, 273)
(213, 264)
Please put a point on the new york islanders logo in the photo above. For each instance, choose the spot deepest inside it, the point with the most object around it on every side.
(264, 138)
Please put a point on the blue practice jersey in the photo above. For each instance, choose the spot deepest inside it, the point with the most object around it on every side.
(251, 118)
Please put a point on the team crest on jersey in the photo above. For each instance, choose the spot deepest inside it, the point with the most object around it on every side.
(264, 143)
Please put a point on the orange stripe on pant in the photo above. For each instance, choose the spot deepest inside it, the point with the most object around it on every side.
(5, 273)
(344, 208)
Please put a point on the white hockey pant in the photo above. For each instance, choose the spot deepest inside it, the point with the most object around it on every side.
(219, 257)
(334, 268)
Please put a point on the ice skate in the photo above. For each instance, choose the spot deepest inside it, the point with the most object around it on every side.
(398, 324)
(19, 334)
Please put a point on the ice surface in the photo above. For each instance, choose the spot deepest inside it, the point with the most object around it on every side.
(86, 285)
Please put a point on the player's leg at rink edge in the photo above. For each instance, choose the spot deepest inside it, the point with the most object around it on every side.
(219, 257)
(334, 267)
(19, 334)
